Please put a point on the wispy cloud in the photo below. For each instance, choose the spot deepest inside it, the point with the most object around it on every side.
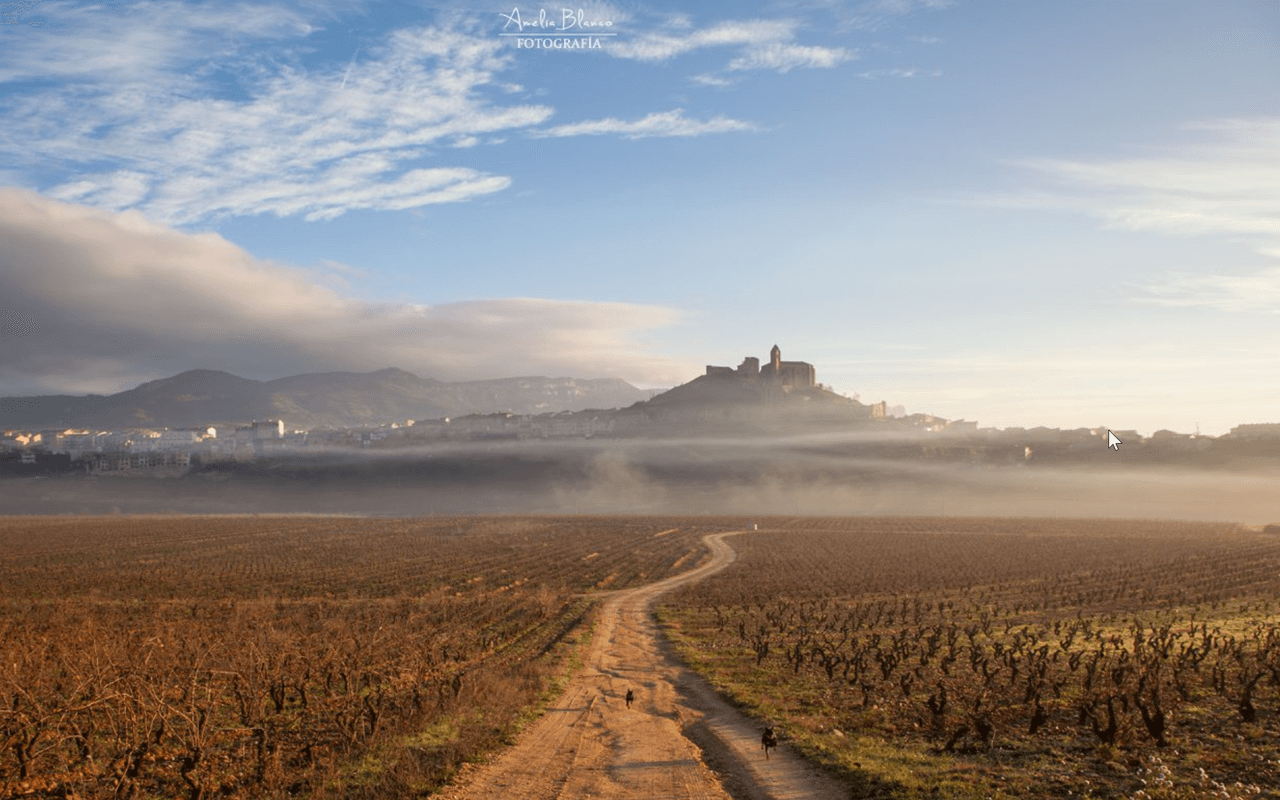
(91, 299)
(786, 57)
(900, 72)
(877, 14)
(711, 80)
(867, 15)
(1226, 187)
(1259, 291)
(143, 41)
(666, 44)
(133, 102)
(664, 123)
(311, 143)
(761, 44)
(197, 111)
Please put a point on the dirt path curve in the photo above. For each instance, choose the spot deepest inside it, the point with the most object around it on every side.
(589, 744)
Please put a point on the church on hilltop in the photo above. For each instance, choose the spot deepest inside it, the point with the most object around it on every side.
(774, 393)
(786, 374)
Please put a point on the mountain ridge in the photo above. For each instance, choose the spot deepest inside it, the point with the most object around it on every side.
(201, 397)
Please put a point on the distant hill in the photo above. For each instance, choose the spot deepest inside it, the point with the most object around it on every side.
(338, 399)
(733, 404)
(734, 390)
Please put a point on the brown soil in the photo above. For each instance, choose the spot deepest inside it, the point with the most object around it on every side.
(678, 740)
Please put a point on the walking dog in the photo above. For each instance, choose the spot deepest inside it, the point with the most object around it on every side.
(768, 741)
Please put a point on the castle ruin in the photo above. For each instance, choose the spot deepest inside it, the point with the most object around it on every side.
(786, 374)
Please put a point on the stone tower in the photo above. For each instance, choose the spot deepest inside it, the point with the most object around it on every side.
(775, 358)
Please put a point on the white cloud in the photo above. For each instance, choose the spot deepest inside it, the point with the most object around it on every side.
(660, 46)
(711, 80)
(900, 72)
(317, 143)
(664, 123)
(786, 57)
(761, 44)
(138, 42)
(91, 300)
(134, 108)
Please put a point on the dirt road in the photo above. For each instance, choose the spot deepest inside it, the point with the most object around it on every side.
(589, 744)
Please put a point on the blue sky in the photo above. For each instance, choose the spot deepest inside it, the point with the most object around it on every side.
(1017, 212)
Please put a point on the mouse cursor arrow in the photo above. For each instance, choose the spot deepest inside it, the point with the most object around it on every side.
(1113, 441)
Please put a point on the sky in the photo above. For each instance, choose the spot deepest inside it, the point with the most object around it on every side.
(1011, 211)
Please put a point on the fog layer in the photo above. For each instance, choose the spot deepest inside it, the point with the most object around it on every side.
(798, 476)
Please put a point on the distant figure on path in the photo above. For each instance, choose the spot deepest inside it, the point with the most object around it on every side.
(768, 741)
(630, 696)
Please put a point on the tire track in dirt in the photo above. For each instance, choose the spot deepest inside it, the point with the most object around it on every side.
(589, 744)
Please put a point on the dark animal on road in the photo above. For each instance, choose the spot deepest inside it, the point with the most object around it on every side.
(768, 741)
(630, 697)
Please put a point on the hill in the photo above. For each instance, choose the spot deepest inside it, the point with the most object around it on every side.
(338, 399)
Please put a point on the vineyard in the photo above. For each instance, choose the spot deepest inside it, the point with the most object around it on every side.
(319, 657)
(1004, 658)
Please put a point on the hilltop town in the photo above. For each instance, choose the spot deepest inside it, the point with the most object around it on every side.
(781, 394)
(776, 397)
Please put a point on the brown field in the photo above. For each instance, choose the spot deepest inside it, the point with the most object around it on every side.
(1004, 658)
(204, 657)
(268, 656)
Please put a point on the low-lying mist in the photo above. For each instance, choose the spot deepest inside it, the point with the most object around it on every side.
(801, 475)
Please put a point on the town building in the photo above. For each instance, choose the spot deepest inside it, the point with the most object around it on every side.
(786, 374)
(1266, 430)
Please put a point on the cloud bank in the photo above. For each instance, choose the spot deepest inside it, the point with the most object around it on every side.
(97, 301)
